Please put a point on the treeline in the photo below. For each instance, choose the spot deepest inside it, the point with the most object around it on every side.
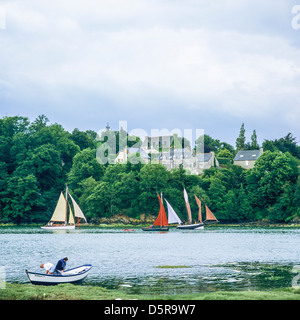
(37, 159)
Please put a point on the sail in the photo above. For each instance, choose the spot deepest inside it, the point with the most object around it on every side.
(172, 215)
(71, 217)
(59, 213)
(77, 211)
(161, 219)
(199, 205)
(188, 208)
(209, 214)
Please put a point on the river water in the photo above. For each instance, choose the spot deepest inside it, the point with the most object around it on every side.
(217, 258)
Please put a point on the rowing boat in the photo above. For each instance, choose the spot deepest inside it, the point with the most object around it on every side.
(74, 275)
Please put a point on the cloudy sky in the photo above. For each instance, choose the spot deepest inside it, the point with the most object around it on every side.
(174, 64)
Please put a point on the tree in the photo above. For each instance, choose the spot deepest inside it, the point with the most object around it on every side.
(39, 123)
(241, 140)
(254, 145)
(85, 165)
(83, 139)
(224, 153)
(22, 200)
(285, 144)
(270, 174)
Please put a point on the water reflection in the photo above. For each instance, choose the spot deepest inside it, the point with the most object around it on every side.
(229, 276)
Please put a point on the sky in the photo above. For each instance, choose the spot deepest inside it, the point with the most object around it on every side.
(173, 64)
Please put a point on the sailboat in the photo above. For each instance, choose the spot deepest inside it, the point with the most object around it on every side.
(161, 222)
(210, 217)
(190, 225)
(59, 219)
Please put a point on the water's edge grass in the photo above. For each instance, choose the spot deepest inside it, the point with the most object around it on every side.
(15, 291)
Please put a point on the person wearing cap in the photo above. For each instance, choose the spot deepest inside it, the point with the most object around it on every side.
(49, 267)
(61, 264)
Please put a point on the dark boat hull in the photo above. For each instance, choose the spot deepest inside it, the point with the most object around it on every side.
(156, 229)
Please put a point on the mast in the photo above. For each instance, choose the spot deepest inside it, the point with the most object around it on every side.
(66, 212)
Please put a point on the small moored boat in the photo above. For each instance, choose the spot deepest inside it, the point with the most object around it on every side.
(74, 275)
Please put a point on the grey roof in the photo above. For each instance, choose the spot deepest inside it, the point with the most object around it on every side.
(247, 155)
(204, 156)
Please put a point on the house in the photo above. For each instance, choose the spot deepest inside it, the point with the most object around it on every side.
(247, 158)
(123, 155)
(168, 151)
(195, 164)
(161, 143)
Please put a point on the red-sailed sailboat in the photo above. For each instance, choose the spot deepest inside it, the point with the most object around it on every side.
(161, 222)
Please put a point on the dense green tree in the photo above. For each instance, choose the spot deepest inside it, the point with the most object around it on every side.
(267, 179)
(37, 159)
(83, 139)
(241, 140)
(254, 144)
(22, 199)
(85, 165)
(285, 144)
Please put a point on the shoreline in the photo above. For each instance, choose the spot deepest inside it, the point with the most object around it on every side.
(259, 223)
(17, 291)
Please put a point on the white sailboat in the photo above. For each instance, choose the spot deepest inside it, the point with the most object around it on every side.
(59, 219)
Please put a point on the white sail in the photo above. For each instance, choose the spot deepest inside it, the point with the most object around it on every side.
(71, 217)
(172, 215)
(77, 211)
(188, 208)
(59, 213)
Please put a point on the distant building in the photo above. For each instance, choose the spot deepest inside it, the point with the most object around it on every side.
(247, 158)
(161, 143)
(123, 155)
(195, 164)
(168, 151)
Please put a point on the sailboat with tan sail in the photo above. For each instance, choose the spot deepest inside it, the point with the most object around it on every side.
(191, 226)
(210, 217)
(59, 219)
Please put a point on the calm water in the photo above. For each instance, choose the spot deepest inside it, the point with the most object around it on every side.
(217, 258)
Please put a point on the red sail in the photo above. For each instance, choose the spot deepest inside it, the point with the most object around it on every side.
(199, 205)
(209, 214)
(161, 219)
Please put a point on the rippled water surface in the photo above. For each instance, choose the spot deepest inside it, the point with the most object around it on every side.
(217, 258)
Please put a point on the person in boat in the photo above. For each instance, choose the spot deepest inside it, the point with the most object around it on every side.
(48, 266)
(61, 265)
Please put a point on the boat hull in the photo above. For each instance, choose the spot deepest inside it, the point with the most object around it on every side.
(156, 229)
(61, 227)
(195, 226)
(74, 275)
